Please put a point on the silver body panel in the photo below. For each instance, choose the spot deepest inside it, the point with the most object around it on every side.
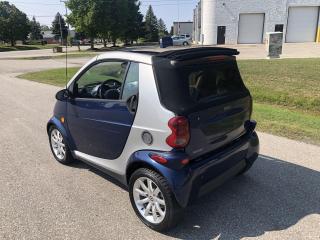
(151, 116)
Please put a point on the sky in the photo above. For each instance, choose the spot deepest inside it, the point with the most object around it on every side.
(168, 10)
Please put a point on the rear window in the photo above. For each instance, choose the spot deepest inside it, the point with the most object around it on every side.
(213, 80)
(185, 88)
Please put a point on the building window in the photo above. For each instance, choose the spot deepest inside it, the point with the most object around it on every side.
(278, 28)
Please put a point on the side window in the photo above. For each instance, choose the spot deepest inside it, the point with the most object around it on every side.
(103, 81)
(131, 86)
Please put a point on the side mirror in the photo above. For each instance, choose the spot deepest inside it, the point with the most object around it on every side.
(63, 95)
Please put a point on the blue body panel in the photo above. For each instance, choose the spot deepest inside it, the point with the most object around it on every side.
(60, 110)
(187, 181)
(99, 127)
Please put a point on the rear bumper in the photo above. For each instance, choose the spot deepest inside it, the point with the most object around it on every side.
(200, 177)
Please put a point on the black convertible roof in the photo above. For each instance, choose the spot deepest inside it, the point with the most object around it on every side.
(191, 53)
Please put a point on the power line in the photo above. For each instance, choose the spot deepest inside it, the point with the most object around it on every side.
(31, 15)
(178, 3)
(39, 3)
(144, 3)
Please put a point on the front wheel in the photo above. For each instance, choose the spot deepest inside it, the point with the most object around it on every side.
(152, 200)
(185, 44)
(59, 147)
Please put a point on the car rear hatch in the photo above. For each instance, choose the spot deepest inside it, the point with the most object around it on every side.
(209, 91)
(217, 126)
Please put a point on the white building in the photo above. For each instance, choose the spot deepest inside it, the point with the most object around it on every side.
(182, 28)
(247, 21)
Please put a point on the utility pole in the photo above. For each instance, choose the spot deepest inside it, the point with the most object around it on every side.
(60, 29)
(178, 4)
(63, 1)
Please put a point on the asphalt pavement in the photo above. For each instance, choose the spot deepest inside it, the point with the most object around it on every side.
(41, 199)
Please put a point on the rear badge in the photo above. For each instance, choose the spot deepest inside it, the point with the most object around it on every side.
(147, 138)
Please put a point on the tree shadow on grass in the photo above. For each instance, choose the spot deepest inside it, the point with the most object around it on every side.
(18, 48)
(274, 195)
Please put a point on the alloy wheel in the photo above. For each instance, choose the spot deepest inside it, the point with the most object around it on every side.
(149, 200)
(57, 144)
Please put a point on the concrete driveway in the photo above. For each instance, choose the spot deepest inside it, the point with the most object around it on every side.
(36, 53)
(258, 51)
(41, 199)
(247, 51)
(290, 50)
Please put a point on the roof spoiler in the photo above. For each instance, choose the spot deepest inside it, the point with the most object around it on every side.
(192, 53)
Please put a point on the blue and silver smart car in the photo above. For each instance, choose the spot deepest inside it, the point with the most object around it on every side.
(171, 126)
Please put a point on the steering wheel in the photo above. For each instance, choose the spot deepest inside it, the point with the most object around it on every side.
(107, 85)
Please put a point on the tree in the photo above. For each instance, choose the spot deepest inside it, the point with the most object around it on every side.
(151, 26)
(171, 31)
(14, 24)
(79, 36)
(110, 17)
(59, 27)
(35, 30)
(133, 22)
(110, 20)
(119, 19)
(85, 15)
(162, 29)
(45, 28)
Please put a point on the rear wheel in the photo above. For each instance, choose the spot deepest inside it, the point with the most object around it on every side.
(152, 200)
(59, 147)
(246, 169)
(185, 44)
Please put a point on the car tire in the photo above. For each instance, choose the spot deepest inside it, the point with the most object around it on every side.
(246, 169)
(164, 201)
(185, 44)
(59, 147)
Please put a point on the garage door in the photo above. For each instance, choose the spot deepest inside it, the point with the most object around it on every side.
(251, 28)
(302, 24)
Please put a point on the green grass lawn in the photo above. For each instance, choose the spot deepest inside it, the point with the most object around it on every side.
(293, 83)
(286, 93)
(7, 48)
(286, 122)
(56, 77)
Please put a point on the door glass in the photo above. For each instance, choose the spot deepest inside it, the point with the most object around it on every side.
(104, 80)
(131, 86)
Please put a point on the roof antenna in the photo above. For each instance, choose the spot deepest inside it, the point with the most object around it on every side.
(63, 1)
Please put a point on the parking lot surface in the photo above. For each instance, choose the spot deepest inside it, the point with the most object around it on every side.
(41, 199)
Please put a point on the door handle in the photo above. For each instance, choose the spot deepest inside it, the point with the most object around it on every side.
(132, 103)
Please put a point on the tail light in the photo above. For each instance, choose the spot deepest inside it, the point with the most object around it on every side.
(180, 135)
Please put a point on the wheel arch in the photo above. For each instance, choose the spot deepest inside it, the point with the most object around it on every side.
(49, 125)
(60, 126)
(141, 159)
(137, 165)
